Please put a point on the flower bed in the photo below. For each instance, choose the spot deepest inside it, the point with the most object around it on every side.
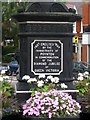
(51, 104)
(45, 103)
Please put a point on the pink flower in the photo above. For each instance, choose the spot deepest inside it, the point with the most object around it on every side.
(49, 103)
(42, 108)
(30, 99)
(63, 105)
(25, 112)
(30, 113)
(24, 106)
(71, 109)
(50, 114)
(36, 112)
(39, 107)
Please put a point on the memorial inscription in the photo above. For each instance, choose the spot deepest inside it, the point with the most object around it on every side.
(47, 57)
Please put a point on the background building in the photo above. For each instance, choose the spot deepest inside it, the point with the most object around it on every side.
(81, 29)
(86, 34)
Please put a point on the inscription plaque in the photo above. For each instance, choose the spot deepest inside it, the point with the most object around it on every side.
(47, 57)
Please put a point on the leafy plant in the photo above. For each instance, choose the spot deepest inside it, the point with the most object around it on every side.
(83, 83)
(9, 103)
(7, 89)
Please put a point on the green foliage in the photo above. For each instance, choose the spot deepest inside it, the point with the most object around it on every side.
(9, 26)
(6, 59)
(7, 89)
(9, 103)
(8, 49)
(5, 51)
(40, 89)
(83, 85)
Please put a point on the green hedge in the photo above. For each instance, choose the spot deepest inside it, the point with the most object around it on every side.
(5, 51)
(6, 59)
(8, 49)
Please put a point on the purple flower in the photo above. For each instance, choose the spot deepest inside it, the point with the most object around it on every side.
(5, 110)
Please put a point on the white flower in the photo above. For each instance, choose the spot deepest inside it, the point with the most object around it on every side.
(80, 78)
(56, 79)
(63, 85)
(80, 75)
(86, 73)
(29, 81)
(53, 80)
(1, 78)
(6, 77)
(26, 77)
(49, 77)
(3, 72)
(87, 84)
(46, 80)
(86, 76)
(40, 83)
(32, 80)
(41, 76)
(56, 98)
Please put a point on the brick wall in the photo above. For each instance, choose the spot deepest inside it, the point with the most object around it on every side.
(84, 53)
(86, 14)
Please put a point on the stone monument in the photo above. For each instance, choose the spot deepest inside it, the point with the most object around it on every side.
(46, 32)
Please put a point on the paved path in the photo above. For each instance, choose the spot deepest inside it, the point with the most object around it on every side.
(13, 80)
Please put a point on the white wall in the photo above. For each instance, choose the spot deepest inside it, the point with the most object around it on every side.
(86, 38)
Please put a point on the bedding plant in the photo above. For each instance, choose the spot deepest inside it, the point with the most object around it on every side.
(9, 102)
(47, 100)
(83, 85)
